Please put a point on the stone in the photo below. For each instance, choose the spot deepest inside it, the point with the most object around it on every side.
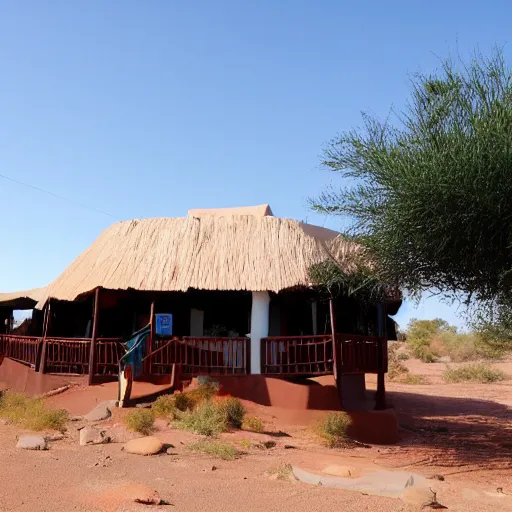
(55, 437)
(93, 435)
(100, 412)
(343, 471)
(120, 434)
(420, 496)
(32, 443)
(144, 446)
(265, 445)
(76, 418)
(171, 451)
(145, 405)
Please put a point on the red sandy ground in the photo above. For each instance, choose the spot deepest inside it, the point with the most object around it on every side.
(461, 431)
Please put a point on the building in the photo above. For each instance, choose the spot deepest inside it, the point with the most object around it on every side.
(237, 284)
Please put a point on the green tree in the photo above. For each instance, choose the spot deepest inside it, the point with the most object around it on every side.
(429, 190)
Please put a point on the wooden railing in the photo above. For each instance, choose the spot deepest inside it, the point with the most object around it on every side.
(108, 353)
(297, 355)
(362, 354)
(71, 355)
(24, 349)
(200, 355)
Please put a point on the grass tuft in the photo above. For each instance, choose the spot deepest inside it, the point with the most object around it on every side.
(253, 424)
(31, 413)
(233, 410)
(141, 420)
(476, 372)
(207, 419)
(224, 451)
(164, 407)
(333, 428)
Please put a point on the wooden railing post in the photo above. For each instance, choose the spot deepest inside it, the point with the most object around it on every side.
(336, 354)
(92, 348)
(380, 396)
(150, 339)
(46, 321)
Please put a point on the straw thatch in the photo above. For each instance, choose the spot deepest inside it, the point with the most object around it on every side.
(23, 299)
(231, 252)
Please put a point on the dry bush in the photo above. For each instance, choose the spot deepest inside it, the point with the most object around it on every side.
(253, 424)
(476, 372)
(224, 451)
(207, 419)
(234, 411)
(141, 420)
(333, 428)
(31, 413)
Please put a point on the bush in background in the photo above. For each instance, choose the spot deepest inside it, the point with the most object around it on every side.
(207, 419)
(253, 424)
(224, 451)
(476, 372)
(233, 410)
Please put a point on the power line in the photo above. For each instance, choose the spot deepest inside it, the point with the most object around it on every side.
(75, 203)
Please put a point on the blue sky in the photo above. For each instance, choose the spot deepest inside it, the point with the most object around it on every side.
(144, 109)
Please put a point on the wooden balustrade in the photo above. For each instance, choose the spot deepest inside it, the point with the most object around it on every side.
(67, 355)
(297, 355)
(362, 354)
(108, 353)
(200, 355)
(24, 349)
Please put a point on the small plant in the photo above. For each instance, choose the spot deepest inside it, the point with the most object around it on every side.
(164, 407)
(403, 356)
(281, 472)
(141, 420)
(207, 419)
(333, 428)
(183, 401)
(224, 451)
(31, 413)
(203, 393)
(246, 443)
(253, 424)
(476, 372)
(234, 411)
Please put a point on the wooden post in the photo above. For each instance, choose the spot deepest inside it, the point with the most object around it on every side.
(380, 396)
(336, 354)
(151, 330)
(92, 349)
(46, 321)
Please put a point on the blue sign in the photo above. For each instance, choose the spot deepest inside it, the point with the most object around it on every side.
(164, 324)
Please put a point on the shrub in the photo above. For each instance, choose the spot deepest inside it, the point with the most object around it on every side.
(476, 372)
(282, 471)
(203, 393)
(141, 420)
(31, 413)
(234, 411)
(207, 419)
(164, 407)
(225, 451)
(333, 428)
(395, 367)
(403, 356)
(253, 424)
(183, 401)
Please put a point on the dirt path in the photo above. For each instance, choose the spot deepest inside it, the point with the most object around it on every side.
(461, 431)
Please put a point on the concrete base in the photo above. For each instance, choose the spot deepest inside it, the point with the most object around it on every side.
(19, 377)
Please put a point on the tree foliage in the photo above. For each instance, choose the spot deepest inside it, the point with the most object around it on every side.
(429, 190)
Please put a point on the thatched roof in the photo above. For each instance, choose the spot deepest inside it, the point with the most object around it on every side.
(25, 299)
(221, 250)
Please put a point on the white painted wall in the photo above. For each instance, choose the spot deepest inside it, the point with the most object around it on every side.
(259, 327)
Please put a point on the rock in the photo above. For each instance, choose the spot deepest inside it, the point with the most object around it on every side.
(92, 435)
(170, 451)
(144, 446)
(76, 418)
(289, 447)
(120, 434)
(153, 499)
(102, 411)
(343, 471)
(55, 437)
(32, 443)
(437, 477)
(420, 496)
(145, 405)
